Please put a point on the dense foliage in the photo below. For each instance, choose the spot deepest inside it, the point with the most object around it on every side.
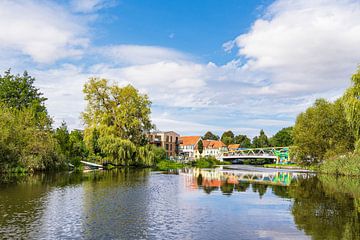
(18, 91)
(321, 132)
(282, 138)
(210, 136)
(116, 122)
(26, 140)
(227, 137)
(261, 140)
(351, 102)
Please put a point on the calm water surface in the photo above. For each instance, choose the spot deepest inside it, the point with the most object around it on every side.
(194, 204)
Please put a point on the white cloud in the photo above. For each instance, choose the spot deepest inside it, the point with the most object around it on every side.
(139, 54)
(304, 46)
(43, 31)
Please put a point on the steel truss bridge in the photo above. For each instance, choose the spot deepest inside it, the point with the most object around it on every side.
(278, 154)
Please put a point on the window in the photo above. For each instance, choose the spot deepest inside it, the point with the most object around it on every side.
(167, 146)
(170, 138)
(170, 147)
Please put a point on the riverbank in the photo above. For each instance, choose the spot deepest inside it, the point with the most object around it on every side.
(346, 165)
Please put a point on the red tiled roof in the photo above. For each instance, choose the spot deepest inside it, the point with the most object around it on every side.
(189, 140)
(234, 146)
(212, 144)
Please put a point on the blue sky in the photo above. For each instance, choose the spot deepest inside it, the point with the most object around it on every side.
(206, 65)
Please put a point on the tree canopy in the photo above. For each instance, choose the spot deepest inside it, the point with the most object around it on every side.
(322, 131)
(261, 140)
(116, 122)
(210, 136)
(351, 101)
(243, 140)
(18, 91)
(282, 138)
(227, 137)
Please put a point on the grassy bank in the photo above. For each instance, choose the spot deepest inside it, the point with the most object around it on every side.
(205, 162)
(165, 165)
(347, 165)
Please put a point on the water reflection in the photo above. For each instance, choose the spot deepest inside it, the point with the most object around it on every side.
(196, 204)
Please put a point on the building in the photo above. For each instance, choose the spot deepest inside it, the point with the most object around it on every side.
(233, 147)
(187, 146)
(212, 148)
(167, 140)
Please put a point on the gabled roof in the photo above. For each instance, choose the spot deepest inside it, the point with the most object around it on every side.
(234, 146)
(189, 140)
(213, 144)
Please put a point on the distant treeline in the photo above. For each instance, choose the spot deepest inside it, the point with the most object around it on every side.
(282, 138)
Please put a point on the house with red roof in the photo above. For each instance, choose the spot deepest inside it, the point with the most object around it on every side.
(187, 146)
(212, 148)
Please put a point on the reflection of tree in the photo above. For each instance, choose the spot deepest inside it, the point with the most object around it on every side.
(199, 180)
(242, 186)
(227, 188)
(280, 191)
(260, 188)
(324, 211)
(209, 189)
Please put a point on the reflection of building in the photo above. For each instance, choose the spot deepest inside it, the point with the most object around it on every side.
(210, 148)
(167, 140)
(188, 144)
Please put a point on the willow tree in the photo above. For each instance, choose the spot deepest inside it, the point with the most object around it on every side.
(351, 101)
(117, 118)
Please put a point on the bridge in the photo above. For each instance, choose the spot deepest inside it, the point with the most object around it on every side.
(277, 154)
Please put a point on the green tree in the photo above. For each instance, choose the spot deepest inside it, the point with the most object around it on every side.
(322, 131)
(261, 140)
(243, 140)
(159, 153)
(119, 111)
(19, 92)
(351, 102)
(200, 147)
(227, 137)
(210, 136)
(282, 138)
(62, 136)
(116, 121)
(26, 141)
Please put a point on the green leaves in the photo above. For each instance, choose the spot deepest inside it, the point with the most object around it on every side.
(116, 121)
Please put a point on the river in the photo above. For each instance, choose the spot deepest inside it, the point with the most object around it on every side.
(191, 204)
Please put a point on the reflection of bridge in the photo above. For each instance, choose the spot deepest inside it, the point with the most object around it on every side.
(235, 176)
(278, 154)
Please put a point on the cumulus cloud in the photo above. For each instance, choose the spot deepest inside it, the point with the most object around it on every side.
(44, 32)
(304, 46)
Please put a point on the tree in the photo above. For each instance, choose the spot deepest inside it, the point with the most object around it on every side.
(116, 122)
(351, 102)
(282, 138)
(120, 111)
(322, 131)
(26, 141)
(19, 92)
(261, 140)
(243, 140)
(227, 137)
(210, 136)
(200, 146)
(62, 136)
